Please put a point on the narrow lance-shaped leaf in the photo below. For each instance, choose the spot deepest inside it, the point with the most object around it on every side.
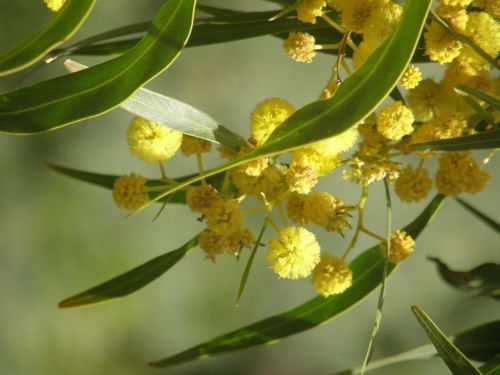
(119, 32)
(483, 217)
(481, 112)
(494, 103)
(174, 114)
(367, 271)
(107, 181)
(456, 361)
(64, 100)
(248, 267)
(479, 343)
(130, 281)
(484, 140)
(464, 39)
(492, 367)
(226, 26)
(62, 26)
(354, 100)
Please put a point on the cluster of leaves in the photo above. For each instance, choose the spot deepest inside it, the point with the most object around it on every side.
(54, 103)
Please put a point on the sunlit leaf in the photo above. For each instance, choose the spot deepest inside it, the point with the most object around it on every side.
(484, 140)
(354, 100)
(367, 268)
(174, 114)
(478, 343)
(130, 281)
(62, 26)
(64, 100)
(456, 361)
(484, 279)
(483, 217)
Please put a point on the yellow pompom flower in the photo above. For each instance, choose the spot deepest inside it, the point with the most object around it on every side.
(295, 208)
(201, 198)
(493, 8)
(456, 3)
(152, 142)
(322, 163)
(338, 4)
(440, 45)
(458, 173)
(325, 210)
(331, 276)
(365, 49)
(373, 143)
(411, 77)
(382, 22)
(130, 192)
(456, 16)
(301, 178)
(335, 145)
(425, 100)
(193, 145)
(54, 5)
(267, 116)
(271, 182)
(394, 121)
(367, 170)
(413, 185)
(484, 30)
(357, 12)
(300, 47)
(211, 243)
(294, 254)
(308, 10)
(223, 216)
(447, 125)
(402, 245)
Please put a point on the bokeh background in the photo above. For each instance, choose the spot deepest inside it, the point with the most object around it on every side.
(59, 236)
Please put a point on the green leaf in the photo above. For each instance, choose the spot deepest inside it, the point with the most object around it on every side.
(218, 29)
(480, 141)
(456, 361)
(248, 266)
(226, 26)
(367, 271)
(464, 90)
(479, 343)
(484, 279)
(354, 100)
(130, 281)
(467, 41)
(483, 217)
(492, 367)
(174, 114)
(134, 28)
(63, 25)
(107, 181)
(482, 112)
(64, 100)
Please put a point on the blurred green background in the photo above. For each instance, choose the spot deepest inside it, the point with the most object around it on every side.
(59, 236)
